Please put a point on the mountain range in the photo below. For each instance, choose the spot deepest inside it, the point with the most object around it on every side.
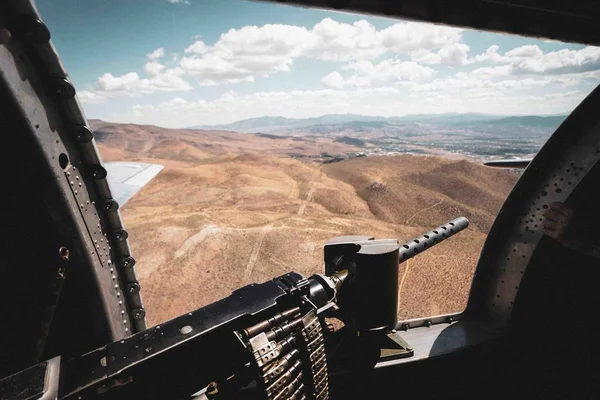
(336, 122)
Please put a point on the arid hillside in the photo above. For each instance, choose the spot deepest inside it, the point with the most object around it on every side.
(233, 208)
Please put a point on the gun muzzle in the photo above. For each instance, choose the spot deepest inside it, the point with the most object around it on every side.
(419, 244)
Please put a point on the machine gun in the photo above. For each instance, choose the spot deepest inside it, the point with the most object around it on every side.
(267, 341)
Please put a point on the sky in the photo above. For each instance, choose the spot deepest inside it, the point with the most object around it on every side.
(182, 63)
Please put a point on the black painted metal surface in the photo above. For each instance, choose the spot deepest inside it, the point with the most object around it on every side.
(564, 20)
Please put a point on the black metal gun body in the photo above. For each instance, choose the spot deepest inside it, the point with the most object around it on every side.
(265, 339)
(191, 350)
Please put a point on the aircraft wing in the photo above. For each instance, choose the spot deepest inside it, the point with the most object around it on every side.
(516, 163)
(127, 178)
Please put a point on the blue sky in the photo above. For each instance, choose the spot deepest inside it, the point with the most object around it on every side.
(179, 63)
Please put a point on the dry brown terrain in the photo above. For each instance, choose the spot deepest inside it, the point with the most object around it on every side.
(231, 208)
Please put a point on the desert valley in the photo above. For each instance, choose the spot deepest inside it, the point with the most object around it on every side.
(233, 208)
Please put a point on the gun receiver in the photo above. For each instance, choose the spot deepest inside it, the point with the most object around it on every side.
(266, 338)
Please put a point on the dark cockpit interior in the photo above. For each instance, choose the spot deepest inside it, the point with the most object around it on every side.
(530, 328)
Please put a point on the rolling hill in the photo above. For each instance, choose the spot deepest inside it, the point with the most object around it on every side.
(231, 208)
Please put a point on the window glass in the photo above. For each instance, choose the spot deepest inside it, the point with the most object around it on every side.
(278, 128)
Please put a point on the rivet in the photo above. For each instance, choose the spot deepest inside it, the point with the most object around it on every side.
(128, 262)
(133, 288)
(83, 134)
(185, 330)
(121, 234)
(98, 172)
(63, 252)
(118, 294)
(111, 204)
(32, 30)
(64, 88)
(112, 269)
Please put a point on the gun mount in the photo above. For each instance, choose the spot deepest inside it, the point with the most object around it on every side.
(266, 340)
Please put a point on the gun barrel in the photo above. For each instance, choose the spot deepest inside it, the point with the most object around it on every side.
(417, 245)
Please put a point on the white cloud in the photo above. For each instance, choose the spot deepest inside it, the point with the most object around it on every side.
(245, 53)
(179, 1)
(249, 52)
(454, 54)
(337, 41)
(131, 84)
(161, 79)
(153, 68)
(156, 54)
(407, 37)
(526, 51)
(333, 80)
(198, 47)
(491, 54)
(386, 72)
(530, 59)
(90, 97)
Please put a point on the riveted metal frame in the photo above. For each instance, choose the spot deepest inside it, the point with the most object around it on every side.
(39, 82)
(552, 176)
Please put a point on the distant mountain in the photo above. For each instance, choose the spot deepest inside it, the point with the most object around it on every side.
(267, 123)
(447, 118)
(342, 122)
(532, 120)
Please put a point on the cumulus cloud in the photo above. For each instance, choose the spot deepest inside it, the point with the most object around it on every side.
(336, 41)
(251, 51)
(90, 97)
(198, 47)
(244, 54)
(156, 54)
(390, 69)
(530, 59)
(387, 72)
(160, 79)
(454, 54)
(406, 37)
(333, 80)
